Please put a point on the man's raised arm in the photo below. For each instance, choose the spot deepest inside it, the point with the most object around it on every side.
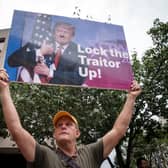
(111, 139)
(23, 139)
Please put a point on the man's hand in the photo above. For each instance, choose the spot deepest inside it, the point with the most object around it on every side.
(135, 89)
(41, 69)
(4, 78)
(46, 49)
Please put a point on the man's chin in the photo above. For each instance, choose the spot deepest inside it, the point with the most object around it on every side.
(63, 138)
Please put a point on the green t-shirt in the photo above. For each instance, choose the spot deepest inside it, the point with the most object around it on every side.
(88, 156)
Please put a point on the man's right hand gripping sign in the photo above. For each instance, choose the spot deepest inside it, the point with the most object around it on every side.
(3, 75)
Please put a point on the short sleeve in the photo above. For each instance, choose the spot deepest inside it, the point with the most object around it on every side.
(97, 150)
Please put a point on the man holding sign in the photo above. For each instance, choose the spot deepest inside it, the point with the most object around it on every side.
(66, 132)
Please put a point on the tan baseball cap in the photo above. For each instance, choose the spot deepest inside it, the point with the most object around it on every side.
(61, 114)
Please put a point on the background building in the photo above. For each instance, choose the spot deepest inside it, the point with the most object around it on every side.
(3, 44)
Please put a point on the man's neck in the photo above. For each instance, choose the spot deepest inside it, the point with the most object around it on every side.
(68, 149)
(63, 47)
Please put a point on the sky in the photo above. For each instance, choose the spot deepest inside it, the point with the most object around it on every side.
(136, 16)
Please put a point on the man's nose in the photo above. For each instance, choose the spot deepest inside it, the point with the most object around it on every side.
(61, 34)
(63, 126)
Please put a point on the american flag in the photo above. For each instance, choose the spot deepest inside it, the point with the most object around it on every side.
(42, 29)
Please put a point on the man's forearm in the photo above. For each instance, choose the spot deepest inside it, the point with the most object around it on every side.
(9, 110)
(124, 118)
(111, 139)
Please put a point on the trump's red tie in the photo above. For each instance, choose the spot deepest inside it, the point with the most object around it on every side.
(57, 57)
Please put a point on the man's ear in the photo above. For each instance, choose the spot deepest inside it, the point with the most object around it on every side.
(78, 133)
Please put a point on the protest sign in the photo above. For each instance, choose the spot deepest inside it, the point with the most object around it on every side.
(92, 54)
